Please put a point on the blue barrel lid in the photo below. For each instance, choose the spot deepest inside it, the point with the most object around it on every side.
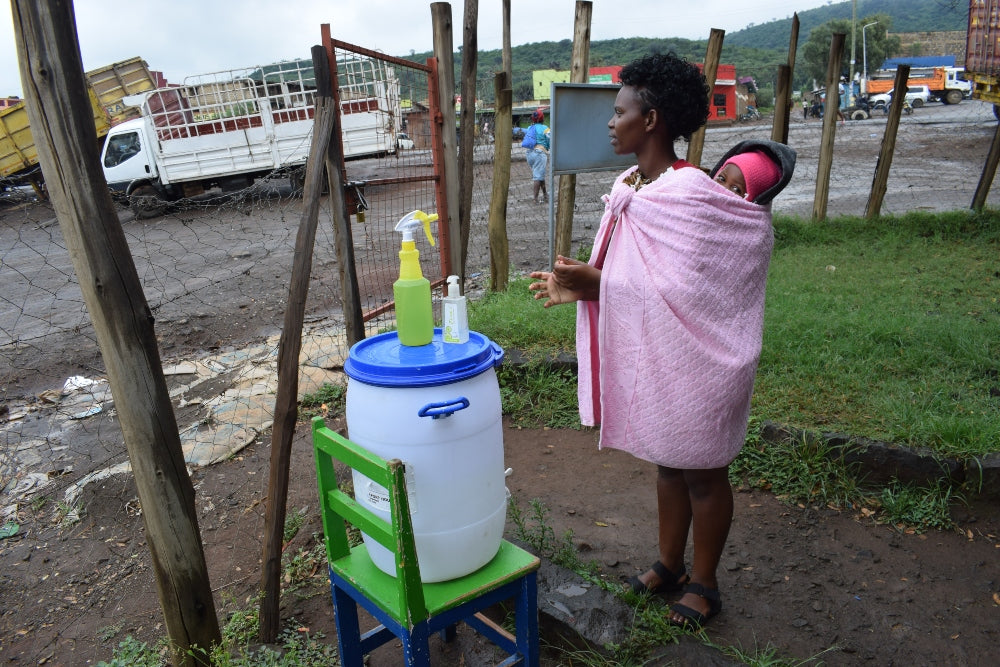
(383, 361)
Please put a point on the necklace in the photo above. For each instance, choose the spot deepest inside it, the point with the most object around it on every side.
(636, 180)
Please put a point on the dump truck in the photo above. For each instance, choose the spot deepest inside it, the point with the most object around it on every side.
(107, 87)
(945, 83)
(226, 129)
(982, 57)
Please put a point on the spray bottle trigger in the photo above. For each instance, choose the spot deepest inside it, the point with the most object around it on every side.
(427, 219)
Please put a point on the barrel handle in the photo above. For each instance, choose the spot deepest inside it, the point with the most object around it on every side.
(444, 408)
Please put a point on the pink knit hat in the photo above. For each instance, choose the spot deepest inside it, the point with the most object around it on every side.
(759, 171)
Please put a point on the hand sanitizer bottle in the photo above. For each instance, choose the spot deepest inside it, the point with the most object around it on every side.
(455, 314)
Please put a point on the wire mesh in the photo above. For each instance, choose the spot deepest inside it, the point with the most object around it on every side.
(215, 272)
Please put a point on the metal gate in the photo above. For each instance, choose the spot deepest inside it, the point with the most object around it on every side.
(390, 130)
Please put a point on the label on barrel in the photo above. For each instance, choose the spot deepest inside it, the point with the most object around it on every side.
(377, 495)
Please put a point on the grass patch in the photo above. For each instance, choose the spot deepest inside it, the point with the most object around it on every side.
(516, 320)
(882, 329)
(330, 400)
(886, 329)
(536, 393)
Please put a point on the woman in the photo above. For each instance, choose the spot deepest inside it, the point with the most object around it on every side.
(536, 141)
(670, 318)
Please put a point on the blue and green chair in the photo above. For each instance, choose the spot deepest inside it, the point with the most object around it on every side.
(403, 606)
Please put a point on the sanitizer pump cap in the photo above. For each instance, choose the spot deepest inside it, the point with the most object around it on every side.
(453, 286)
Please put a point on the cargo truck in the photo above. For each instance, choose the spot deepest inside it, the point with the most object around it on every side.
(226, 129)
(982, 57)
(106, 89)
(945, 83)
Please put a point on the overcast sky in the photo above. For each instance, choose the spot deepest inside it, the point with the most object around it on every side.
(187, 37)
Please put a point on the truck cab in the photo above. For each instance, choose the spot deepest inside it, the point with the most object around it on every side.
(126, 161)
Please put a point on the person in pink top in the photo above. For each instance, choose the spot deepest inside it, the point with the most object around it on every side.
(670, 316)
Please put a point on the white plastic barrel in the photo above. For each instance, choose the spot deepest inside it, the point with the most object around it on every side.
(436, 408)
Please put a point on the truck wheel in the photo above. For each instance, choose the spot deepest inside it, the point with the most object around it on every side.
(996, 111)
(953, 97)
(859, 114)
(297, 179)
(146, 202)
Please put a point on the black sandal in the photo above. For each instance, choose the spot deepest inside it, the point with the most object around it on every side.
(692, 617)
(669, 581)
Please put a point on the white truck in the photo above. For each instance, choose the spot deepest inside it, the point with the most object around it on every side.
(226, 129)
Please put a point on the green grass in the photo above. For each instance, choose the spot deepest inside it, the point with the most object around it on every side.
(886, 329)
(883, 329)
(327, 401)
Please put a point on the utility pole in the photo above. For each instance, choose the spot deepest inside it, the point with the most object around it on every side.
(854, 29)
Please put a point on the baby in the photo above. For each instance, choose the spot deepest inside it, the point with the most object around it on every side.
(748, 174)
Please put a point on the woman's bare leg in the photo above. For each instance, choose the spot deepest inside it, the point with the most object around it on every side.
(711, 498)
(673, 509)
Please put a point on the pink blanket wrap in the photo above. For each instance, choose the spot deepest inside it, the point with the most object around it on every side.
(668, 355)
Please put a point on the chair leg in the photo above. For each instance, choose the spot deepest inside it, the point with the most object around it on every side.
(526, 620)
(448, 634)
(416, 646)
(345, 614)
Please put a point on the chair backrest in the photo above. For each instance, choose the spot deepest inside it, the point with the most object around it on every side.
(338, 507)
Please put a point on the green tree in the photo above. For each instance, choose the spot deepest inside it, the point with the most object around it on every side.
(815, 53)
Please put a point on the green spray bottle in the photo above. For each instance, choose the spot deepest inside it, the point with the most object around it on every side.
(412, 292)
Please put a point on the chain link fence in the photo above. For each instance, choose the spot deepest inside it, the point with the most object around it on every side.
(215, 272)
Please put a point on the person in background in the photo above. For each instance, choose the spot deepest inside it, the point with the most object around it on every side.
(536, 142)
(670, 317)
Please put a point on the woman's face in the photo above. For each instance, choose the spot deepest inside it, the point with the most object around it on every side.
(628, 124)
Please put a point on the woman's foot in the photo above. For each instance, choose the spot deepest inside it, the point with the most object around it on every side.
(698, 606)
(658, 579)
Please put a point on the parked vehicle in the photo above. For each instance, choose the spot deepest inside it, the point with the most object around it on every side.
(861, 109)
(982, 60)
(750, 114)
(107, 88)
(916, 96)
(943, 83)
(226, 129)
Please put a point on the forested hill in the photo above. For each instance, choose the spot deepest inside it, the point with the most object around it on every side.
(755, 51)
(907, 16)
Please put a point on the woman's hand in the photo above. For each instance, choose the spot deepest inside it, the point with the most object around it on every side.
(578, 277)
(549, 289)
(569, 281)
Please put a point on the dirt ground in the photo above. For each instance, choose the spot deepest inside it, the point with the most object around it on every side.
(810, 583)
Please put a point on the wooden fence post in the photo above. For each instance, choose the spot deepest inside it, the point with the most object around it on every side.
(286, 401)
(710, 69)
(502, 124)
(782, 105)
(448, 213)
(579, 66)
(830, 110)
(63, 128)
(343, 237)
(467, 141)
(880, 181)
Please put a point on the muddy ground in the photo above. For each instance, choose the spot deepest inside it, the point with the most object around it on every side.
(810, 582)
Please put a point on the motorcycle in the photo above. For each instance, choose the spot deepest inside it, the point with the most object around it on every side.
(750, 114)
(885, 106)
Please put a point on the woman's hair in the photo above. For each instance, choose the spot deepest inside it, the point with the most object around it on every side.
(672, 86)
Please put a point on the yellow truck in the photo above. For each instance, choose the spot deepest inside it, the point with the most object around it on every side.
(982, 59)
(106, 87)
